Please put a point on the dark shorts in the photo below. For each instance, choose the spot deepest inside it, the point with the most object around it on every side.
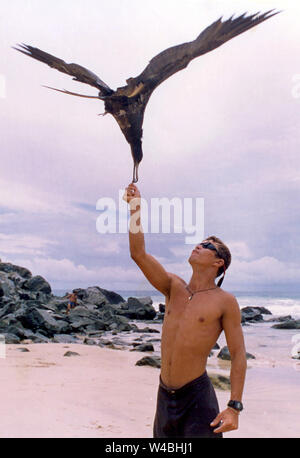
(187, 411)
(72, 304)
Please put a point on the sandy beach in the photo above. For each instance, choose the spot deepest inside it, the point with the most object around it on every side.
(100, 393)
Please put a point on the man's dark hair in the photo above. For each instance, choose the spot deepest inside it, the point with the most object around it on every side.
(223, 251)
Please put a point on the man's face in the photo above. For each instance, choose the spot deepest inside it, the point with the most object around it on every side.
(203, 255)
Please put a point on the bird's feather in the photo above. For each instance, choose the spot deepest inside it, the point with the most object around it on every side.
(78, 72)
(178, 57)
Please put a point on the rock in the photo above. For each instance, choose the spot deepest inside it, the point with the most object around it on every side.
(64, 338)
(152, 361)
(11, 338)
(290, 324)
(225, 354)
(88, 341)
(71, 353)
(138, 308)
(251, 314)
(280, 319)
(41, 320)
(98, 296)
(23, 349)
(159, 317)
(145, 330)
(220, 382)
(11, 268)
(143, 347)
(112, 346)
(250, 356)
(37, 283)
(39, 338)
(161, 308)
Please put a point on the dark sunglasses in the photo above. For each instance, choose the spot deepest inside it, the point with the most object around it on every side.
(209, 246)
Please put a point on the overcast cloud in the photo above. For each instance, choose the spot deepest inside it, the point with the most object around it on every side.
(227, 129)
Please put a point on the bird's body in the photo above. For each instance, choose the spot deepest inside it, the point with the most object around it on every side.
(127, 104)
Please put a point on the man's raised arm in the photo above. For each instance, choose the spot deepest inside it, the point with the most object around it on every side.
(151, 268)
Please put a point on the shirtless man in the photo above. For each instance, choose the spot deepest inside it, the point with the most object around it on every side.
(196, 314)
(72, 302)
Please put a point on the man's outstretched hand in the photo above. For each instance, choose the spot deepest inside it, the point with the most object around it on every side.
(131, 192)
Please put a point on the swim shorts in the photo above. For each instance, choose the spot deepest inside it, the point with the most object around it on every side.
(72, 304)
(186, 411)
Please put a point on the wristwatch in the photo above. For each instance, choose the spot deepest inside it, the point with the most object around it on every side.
(236, 405)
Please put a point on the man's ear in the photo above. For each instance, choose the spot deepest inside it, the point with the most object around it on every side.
(219, 262)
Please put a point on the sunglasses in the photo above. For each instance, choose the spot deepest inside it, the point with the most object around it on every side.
(209, 246)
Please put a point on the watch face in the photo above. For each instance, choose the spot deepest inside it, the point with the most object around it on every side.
(237, 405)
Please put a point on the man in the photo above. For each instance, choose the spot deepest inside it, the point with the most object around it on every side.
(196, 314)
(72, 302)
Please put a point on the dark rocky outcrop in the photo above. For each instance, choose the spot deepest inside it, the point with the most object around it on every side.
(29, 311)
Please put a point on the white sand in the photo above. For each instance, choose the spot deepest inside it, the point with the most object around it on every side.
(101, 393)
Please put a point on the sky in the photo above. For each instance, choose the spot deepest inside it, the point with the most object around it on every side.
(226, 129)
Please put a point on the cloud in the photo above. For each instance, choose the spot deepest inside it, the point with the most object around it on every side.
(264, 271)
(239, 250)
(12, 244)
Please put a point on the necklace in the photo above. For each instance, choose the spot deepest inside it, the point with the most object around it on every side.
(199, 291)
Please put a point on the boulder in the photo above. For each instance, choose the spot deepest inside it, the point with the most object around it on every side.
(152, 361)
(65, 338)
(143, 347)
(11, 338)
(9, 268)
(98, 296)
(289, 324)
(251, 314)
(37, 283)
(138, 308)
(41, 320)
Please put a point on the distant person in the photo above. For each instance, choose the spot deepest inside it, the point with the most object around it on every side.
(196, 314)
(72, 301)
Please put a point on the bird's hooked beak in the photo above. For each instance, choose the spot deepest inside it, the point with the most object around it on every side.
(135, 178)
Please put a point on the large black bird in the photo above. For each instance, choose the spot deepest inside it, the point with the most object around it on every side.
(127, 104)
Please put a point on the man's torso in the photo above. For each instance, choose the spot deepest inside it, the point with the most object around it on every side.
(190, 330)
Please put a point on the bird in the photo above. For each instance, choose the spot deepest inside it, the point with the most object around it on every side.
(127, 103)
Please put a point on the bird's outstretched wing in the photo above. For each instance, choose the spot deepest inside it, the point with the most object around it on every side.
(178, 57)
(78, 72)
